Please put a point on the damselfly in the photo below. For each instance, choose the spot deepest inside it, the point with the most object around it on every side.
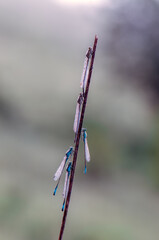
(66, 184)
(78, 113)
(60, 169)
(86, 149)
(85, 69)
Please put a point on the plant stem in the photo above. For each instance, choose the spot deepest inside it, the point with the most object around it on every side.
(78, 141)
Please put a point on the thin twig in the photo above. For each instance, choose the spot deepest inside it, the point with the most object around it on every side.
(77, 141)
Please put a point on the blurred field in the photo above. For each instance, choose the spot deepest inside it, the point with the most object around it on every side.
(42, 47)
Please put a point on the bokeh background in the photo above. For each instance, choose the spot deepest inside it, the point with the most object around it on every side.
(42, 50)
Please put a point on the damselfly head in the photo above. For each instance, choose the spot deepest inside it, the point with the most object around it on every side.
(69, 152)
(80, 99)
(71, 149)
(89, 52)
(84, 134)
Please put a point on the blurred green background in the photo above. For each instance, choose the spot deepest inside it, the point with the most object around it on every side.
(42, 46)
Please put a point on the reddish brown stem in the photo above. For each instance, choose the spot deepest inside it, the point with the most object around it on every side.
(77, 141)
